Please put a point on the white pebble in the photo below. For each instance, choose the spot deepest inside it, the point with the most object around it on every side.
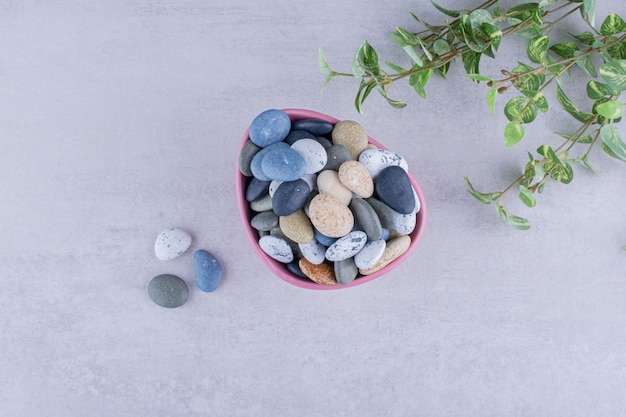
(171, 243)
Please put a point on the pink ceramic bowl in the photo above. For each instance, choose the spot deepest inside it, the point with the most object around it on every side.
(279, 268)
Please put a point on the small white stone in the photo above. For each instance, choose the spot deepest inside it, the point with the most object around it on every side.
(375, 160)
(276, 248)
(313, 251)
(171, 243)
(313, 153)
(347, 246)
(370, 254)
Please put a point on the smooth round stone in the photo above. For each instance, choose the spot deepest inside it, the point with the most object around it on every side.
(337, 155)
(375, 160)
(347, 246)
(262, 204)
(168, 291)
(370, 254)
(323, 239)
(283, 164)
(256, 165)
(208, 271)
(330, 216)
(171, 243)
(290, 196)
(276, 248)
(323, 274)
(313, 153)
(277, 232)
(385, 235)
(366, 218)
(269, 127)
(395, 248)
(393, 188)
(316, 127)
(297, 227)
(313, 251)
(296, 135)
(264, 221)
(386, 214)
(345, 271)
(248, 150)
(328, 183)
(256, 189)
(356, 178)
(324, 142)
(351, 135)
(405, 223)
(294, 268)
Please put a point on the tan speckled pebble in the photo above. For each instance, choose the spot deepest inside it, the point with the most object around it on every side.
(395, 248)
(330, 216)
(297, 227)
(356, 178)
(351, 135)
(328, 182)
(323, 273)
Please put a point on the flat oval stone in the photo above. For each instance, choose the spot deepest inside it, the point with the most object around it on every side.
(276, 248)
(393, 188)
(395, 248)
(271, 126)
(347, 246)
(296, 135)
(330, 216)
(313, 153)
(355, 177)
(208, 271)
(323, 239)
(345, 271)
(277, 232)
(386, 214)
(256, 189)
(297, 227)
(367, 218)
(324, 142)
(370, 254)
(351, 135)
(171, 243)
(264, 221)
(316, 127)
(337, 155)
(328, 183)
(262, 204)
(248, 150)
(168, 291)
(290, 196)
(375, 160)
(283, 164)
(323, 274)
(313, 251)
(405, 223)
(256, 165)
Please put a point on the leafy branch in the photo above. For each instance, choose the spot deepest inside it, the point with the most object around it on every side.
(472, 34)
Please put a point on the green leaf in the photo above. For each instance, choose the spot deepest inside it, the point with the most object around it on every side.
(451, 13)
(561, 173)
(494, 33)
(324, 68)
(394, 103)
(538, 98)
(529, 80)
(586, 64)
(597, 90)
(434, 29)
(614, 74)
(612, 109)
(409, 49)
(569, 106)
(518, 222)
(521, 109)
(471, 62)
(365, 89)
(441, 47)
(586, 37)
(575, 138)
(479, 77)
(478, 17)
(527, 196)
(548, 152)
(407, 37)
(395, 67)
(617, 50)
(565, 49)
(513, 133)
(612, 25)
(612, 138)
(418, 81)
(537, 49)
(482, 197)
(612, 154)
(588, 12)
(491, 100)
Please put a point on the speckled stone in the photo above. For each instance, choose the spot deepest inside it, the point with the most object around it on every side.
(329, 216)
(375, 160)
(171, 243)
(317, 127)
(297, 227)
(248, 150)
(393, 188)
(323, 274)
(345, 271)
(355, 177)
(395, 248)
(290, 196)
(328, 183)
(337, 155)
(168, 291)
(351, 135)
(313, 153)
(264, 221)
(313, 251)
(270, 126)
(370, 254)
(346, 246)
(276, 248)
(208, 271)
(366, 218)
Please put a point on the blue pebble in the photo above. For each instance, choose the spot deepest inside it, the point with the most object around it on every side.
(315, 126)
(256, 189)
(294, 268)
(296, 135)
(290, 196)
(394, 189)
(269, 127)
(283, 164)
(207, 269)
(322, 238)
(257, 161)
(385, 234)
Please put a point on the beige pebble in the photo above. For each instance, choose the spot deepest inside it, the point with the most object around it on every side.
(328, 182)
(355, 176)
(323, 273)
(351, 135)
(297, 227)
(395, 248)
(330, 216)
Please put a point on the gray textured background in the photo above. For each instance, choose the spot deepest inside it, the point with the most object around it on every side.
(119, 119)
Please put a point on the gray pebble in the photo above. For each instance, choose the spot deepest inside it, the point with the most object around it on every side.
(168, 291)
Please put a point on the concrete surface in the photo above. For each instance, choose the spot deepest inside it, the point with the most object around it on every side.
(119, 119)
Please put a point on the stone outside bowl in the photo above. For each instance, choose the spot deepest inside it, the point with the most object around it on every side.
(279, 268)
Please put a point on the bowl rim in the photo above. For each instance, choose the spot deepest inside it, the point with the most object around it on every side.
(278, 268)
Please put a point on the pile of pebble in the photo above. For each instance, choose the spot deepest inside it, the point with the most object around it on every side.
(171, 291)
(326, 202)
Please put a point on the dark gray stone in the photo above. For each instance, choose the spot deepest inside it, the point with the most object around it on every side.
(256, 189)
(393, 188)
(168, 291)
(246, 154)
(366, 218)
(337, 155)
(290, 196)
(315, 126)
(264, 221)
(345, 271)
(296, 135)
